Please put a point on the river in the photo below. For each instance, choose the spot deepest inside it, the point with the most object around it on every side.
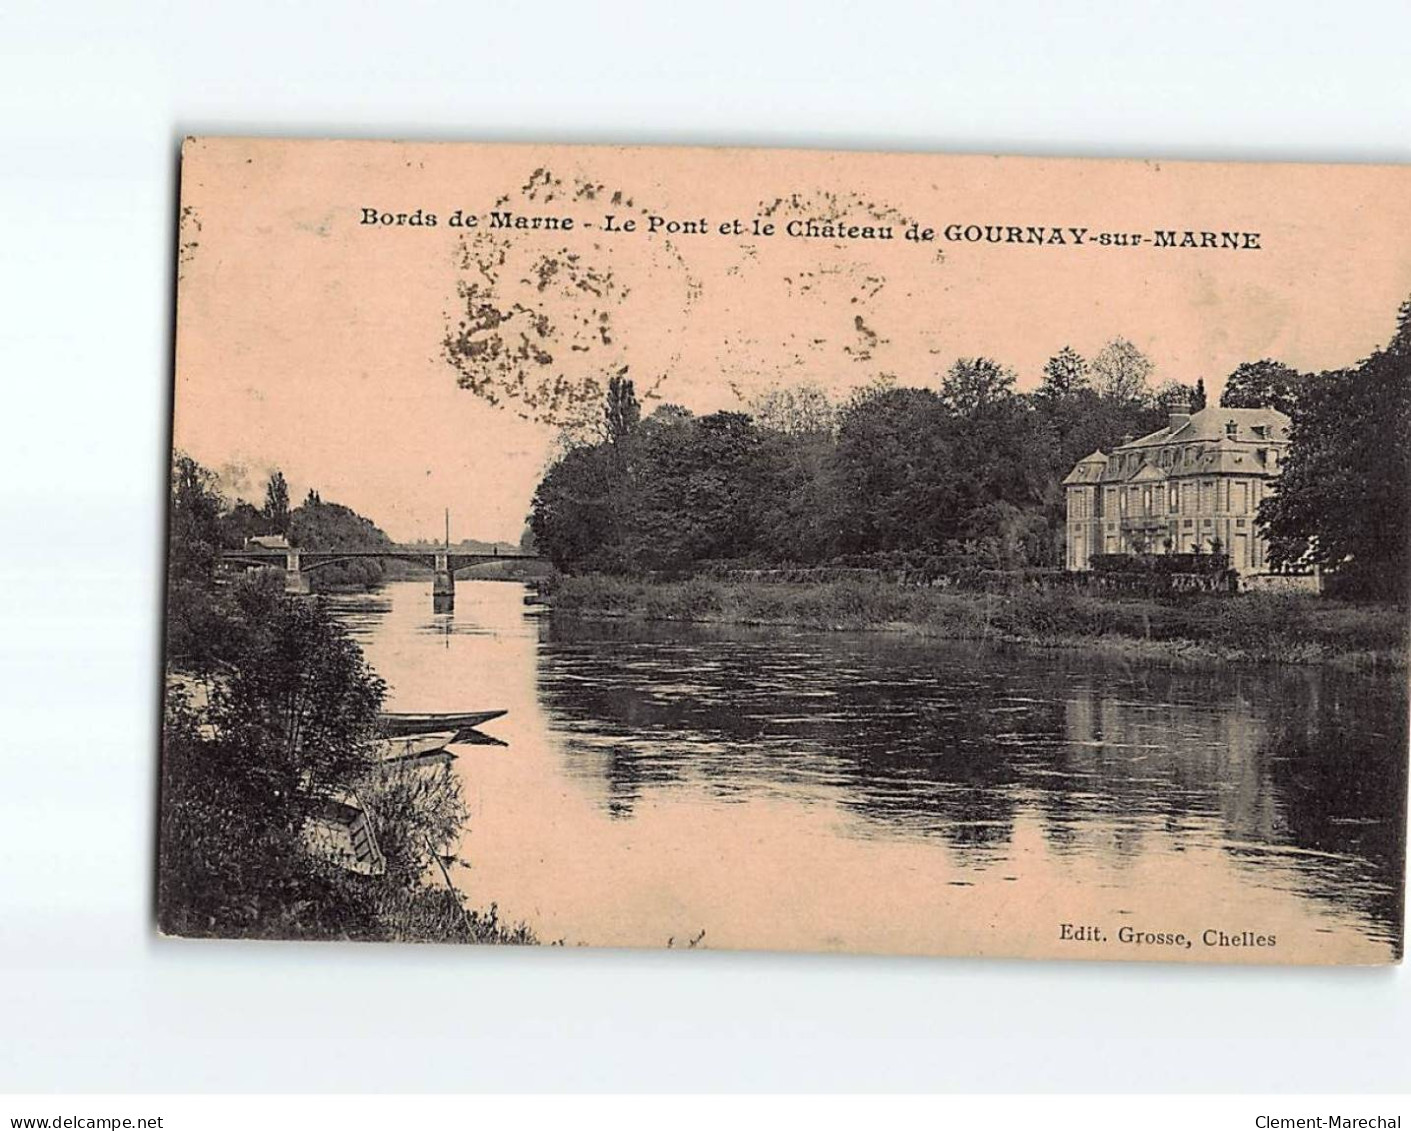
(875, 792)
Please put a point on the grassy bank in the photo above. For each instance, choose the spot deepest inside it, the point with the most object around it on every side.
(1256, 627)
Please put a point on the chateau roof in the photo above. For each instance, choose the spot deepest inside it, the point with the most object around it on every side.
(1089, 469)
(1210, 424)
(1224, 448)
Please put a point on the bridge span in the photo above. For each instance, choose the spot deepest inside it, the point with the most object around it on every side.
(297, 564)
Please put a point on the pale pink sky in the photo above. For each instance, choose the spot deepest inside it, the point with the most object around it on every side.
(313, 343)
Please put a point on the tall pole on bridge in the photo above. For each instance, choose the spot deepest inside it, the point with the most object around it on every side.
(443, 585)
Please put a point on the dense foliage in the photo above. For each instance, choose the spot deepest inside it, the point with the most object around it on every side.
(312, 525)
(1262, 384)
(316, 525)
(969, 471)
(1342, 500)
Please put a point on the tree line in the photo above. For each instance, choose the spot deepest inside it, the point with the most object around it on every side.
(966, 474)
(312, 525)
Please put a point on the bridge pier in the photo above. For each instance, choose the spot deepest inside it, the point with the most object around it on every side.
(443, 586)
(294, 579)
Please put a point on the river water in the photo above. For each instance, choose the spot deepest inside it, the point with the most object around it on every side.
(874, 792)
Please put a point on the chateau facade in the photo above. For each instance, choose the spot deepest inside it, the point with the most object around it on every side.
(1193, 486)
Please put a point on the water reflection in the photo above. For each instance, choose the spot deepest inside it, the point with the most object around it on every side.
(1130, 787)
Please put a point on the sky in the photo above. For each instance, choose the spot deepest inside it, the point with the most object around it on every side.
(313, 341)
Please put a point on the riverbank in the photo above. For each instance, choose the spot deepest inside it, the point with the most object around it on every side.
(1252, 627)
(272, 770)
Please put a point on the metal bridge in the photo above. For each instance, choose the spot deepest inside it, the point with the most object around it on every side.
(297, 564)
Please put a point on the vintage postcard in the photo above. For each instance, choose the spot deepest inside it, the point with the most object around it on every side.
(789, 550)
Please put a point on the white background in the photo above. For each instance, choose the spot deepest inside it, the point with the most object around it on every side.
(93, 100)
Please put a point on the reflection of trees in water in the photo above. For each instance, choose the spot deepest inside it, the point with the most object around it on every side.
(952, 741)
(1311, 781)
(623, 775)
(937, 766)
(896, 746)
(1166, 750)
(1339, 773)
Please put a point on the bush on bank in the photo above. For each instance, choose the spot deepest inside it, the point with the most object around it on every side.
(1284, 627)
(291, 719)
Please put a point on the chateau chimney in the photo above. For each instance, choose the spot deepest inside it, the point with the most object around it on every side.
(1180, 413)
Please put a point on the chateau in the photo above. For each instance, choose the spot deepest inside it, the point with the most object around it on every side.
(1193, 486)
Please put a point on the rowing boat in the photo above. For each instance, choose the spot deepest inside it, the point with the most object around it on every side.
(395, 723)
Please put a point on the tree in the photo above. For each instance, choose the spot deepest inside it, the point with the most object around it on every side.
(194, 535)
(796, 410)
(573, 515)
(291, 721)
(1342, 500)
(894, 483)
(317, 525)
(1121, 371)
(1065, 373)
(1172, 396)
(276, 508)
(1262, 384)
(696, 492)
(241, 523)
(796, 504)
(197, 631)
(621, 412)
(974, 384)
